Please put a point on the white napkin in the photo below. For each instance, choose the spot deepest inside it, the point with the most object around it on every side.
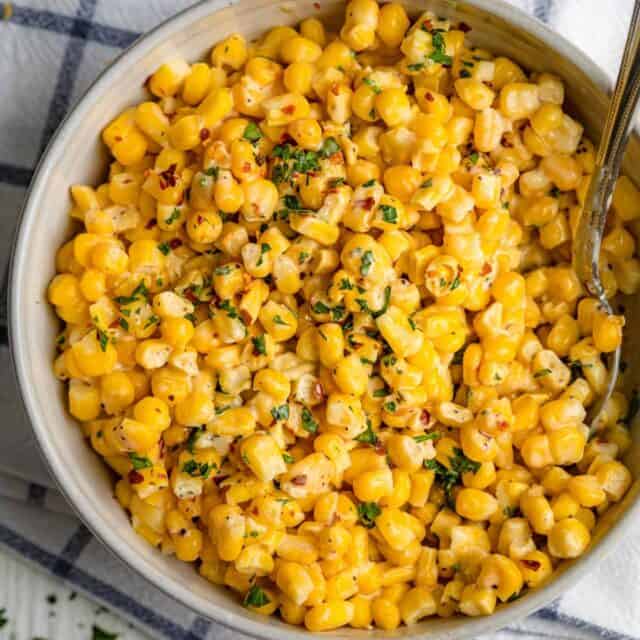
(50, 51)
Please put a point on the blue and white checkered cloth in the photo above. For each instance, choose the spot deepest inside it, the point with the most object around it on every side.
(50, 51)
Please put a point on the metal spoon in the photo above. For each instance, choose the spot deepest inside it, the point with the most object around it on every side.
(615, 133)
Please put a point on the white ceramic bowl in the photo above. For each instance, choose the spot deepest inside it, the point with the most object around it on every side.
(76, 155)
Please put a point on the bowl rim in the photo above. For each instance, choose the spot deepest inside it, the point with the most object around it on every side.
(88, 512)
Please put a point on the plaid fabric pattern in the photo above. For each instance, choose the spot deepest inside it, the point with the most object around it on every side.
(50, 51)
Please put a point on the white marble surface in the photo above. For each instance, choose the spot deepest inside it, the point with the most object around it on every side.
(38, 607)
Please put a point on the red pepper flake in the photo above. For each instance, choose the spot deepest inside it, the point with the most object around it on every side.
(174, 243)
(152, 223)
(299, 480)
(204, 134)
(336, 158)
(289, 109)
(464, 27)
(189, 295)
(425, 416)
(285, 138)
(486, 269)
(379, 449)
(428, 25)
(200, 219)
(246, 167)
(335, 89)
(366, 204)
(534, 565)
(114, 324)
(168, 176)
(135, 477)
(316, 5)
(318, 390)
(429, 96)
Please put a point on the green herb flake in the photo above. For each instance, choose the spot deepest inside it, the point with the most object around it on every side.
(224, 270)
(345, 285)
(264, 248)
(308, 422)
(447, 478)
(289, 459)
(256, 597)
(368, 436)
(428, 183)
(259, 346)
(140, 462)
(373, 85)
(103, 338)
(541, 373)
(123, 324)
(474, 157)
(281, 412)
(164, 248)
(390, 407)
(252, 133)
(193, 438)
(464, 73)
(389, 213)
(423, 437)
(320, 308)
(329, 147)
(213, 172)
(439, 54)
(278, 320)
(369, 183)
(416, 66)
(175, 215)
(381, 393)
(367, 514)
(366, 262)
(302, 257)
(226, 305)
(456, 283)
(197, 469)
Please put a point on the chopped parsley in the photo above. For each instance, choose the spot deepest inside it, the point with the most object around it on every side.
(474, 157)
(447, 478)
(337, 312)
(302, 257)
(164, 248)
(138, 293)
(367, 514)
(456, 283)
(278, 320)
(213, 172)
(292, 161)
(381, 393)
(369, 183)
(335, 182)
(423, 437)
(198, 469)
(389, 213)
(153, 319)
(252, 133)
(390, 407)
(364, 307)
(175, 215)
(373, 84)
(427, 183)
(439, 54)
(320, 307)
(281, 412)
(292, 202)
(103, 338)
(193, 438)
(259, 347)
(345, 285)
(541, 373)
(368, 436)
(366, 262)
(123, 324)
(224, 270)
(289, 459)
(308, 422)
(264, 248)
(256, 597)
(140, 462)
(555, 192)
(416, 66)
(510, 512)
(464, 73)
(329, 147)
(226, 305)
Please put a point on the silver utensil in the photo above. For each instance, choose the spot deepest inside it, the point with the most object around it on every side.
(615, 134)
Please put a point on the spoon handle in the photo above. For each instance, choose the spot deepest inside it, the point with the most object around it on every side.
(615, 134)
